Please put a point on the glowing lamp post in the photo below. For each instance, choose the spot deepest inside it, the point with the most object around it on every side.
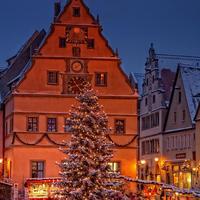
(143, 162)
(1, 167)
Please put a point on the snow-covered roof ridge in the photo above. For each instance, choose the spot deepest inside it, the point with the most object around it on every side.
(191, 82)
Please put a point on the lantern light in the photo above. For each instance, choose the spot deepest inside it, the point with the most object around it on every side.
(143, 162)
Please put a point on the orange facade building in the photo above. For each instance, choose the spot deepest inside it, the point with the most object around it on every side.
(39, 87)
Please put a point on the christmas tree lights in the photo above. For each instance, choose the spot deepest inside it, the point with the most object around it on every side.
(85, 173)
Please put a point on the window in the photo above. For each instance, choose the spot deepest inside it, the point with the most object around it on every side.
(66, 127)
(114, 166)
(179, 97)
(90, 43)
(76, 12)
(32, 125)
(37, 169)
(150, 121)
(52, 77)
(194, 155)
(150, 146)
(62, 42)
(146, 101)
(76, 51)
(184, 115)
(153, 79)
(174, 117)
(119, 126)
(101, 79)
(51, 124)
(6, 128)
(11, 125)
(154, 98)
(143, 148)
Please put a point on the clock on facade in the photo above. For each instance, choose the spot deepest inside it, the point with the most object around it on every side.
(76, 84)
(77, 66)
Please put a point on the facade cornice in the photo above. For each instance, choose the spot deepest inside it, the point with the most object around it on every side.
(78, 58)
(156, 109)
(65, 113)
(73, 96)
(179, 130)
(80, 25)
(150, 136)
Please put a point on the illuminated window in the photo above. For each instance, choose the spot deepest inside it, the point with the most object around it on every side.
(76, 51)
(114, 166)
(176, 179)
(66, 127)
(32, 125)
(52, 77)
(120, 126)
(52, 125)
(37, 169)
(76, 12)
(62, 42)
(101, 79)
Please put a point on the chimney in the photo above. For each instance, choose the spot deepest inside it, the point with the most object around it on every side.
(57, 9)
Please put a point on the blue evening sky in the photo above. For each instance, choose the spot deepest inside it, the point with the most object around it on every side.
(130, 25)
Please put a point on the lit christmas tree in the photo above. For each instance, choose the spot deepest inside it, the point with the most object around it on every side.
(85, 173)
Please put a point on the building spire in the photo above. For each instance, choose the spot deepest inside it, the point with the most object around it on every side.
(152, 53)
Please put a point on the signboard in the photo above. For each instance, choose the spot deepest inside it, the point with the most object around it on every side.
(41, 189)
(181, 156)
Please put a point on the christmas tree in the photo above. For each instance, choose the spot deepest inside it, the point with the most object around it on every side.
(85, 173)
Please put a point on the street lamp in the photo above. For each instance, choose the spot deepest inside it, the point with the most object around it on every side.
(1, 167)
(143, 162)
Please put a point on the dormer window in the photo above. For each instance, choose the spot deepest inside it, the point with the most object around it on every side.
(76, 12)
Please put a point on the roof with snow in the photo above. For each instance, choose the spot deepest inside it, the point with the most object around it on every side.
(18, 64)
(191, 81)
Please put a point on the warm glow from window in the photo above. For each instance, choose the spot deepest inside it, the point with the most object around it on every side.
(1, 160)
(156, 159)
(143, 162)
(114, 166)
(76, 30)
